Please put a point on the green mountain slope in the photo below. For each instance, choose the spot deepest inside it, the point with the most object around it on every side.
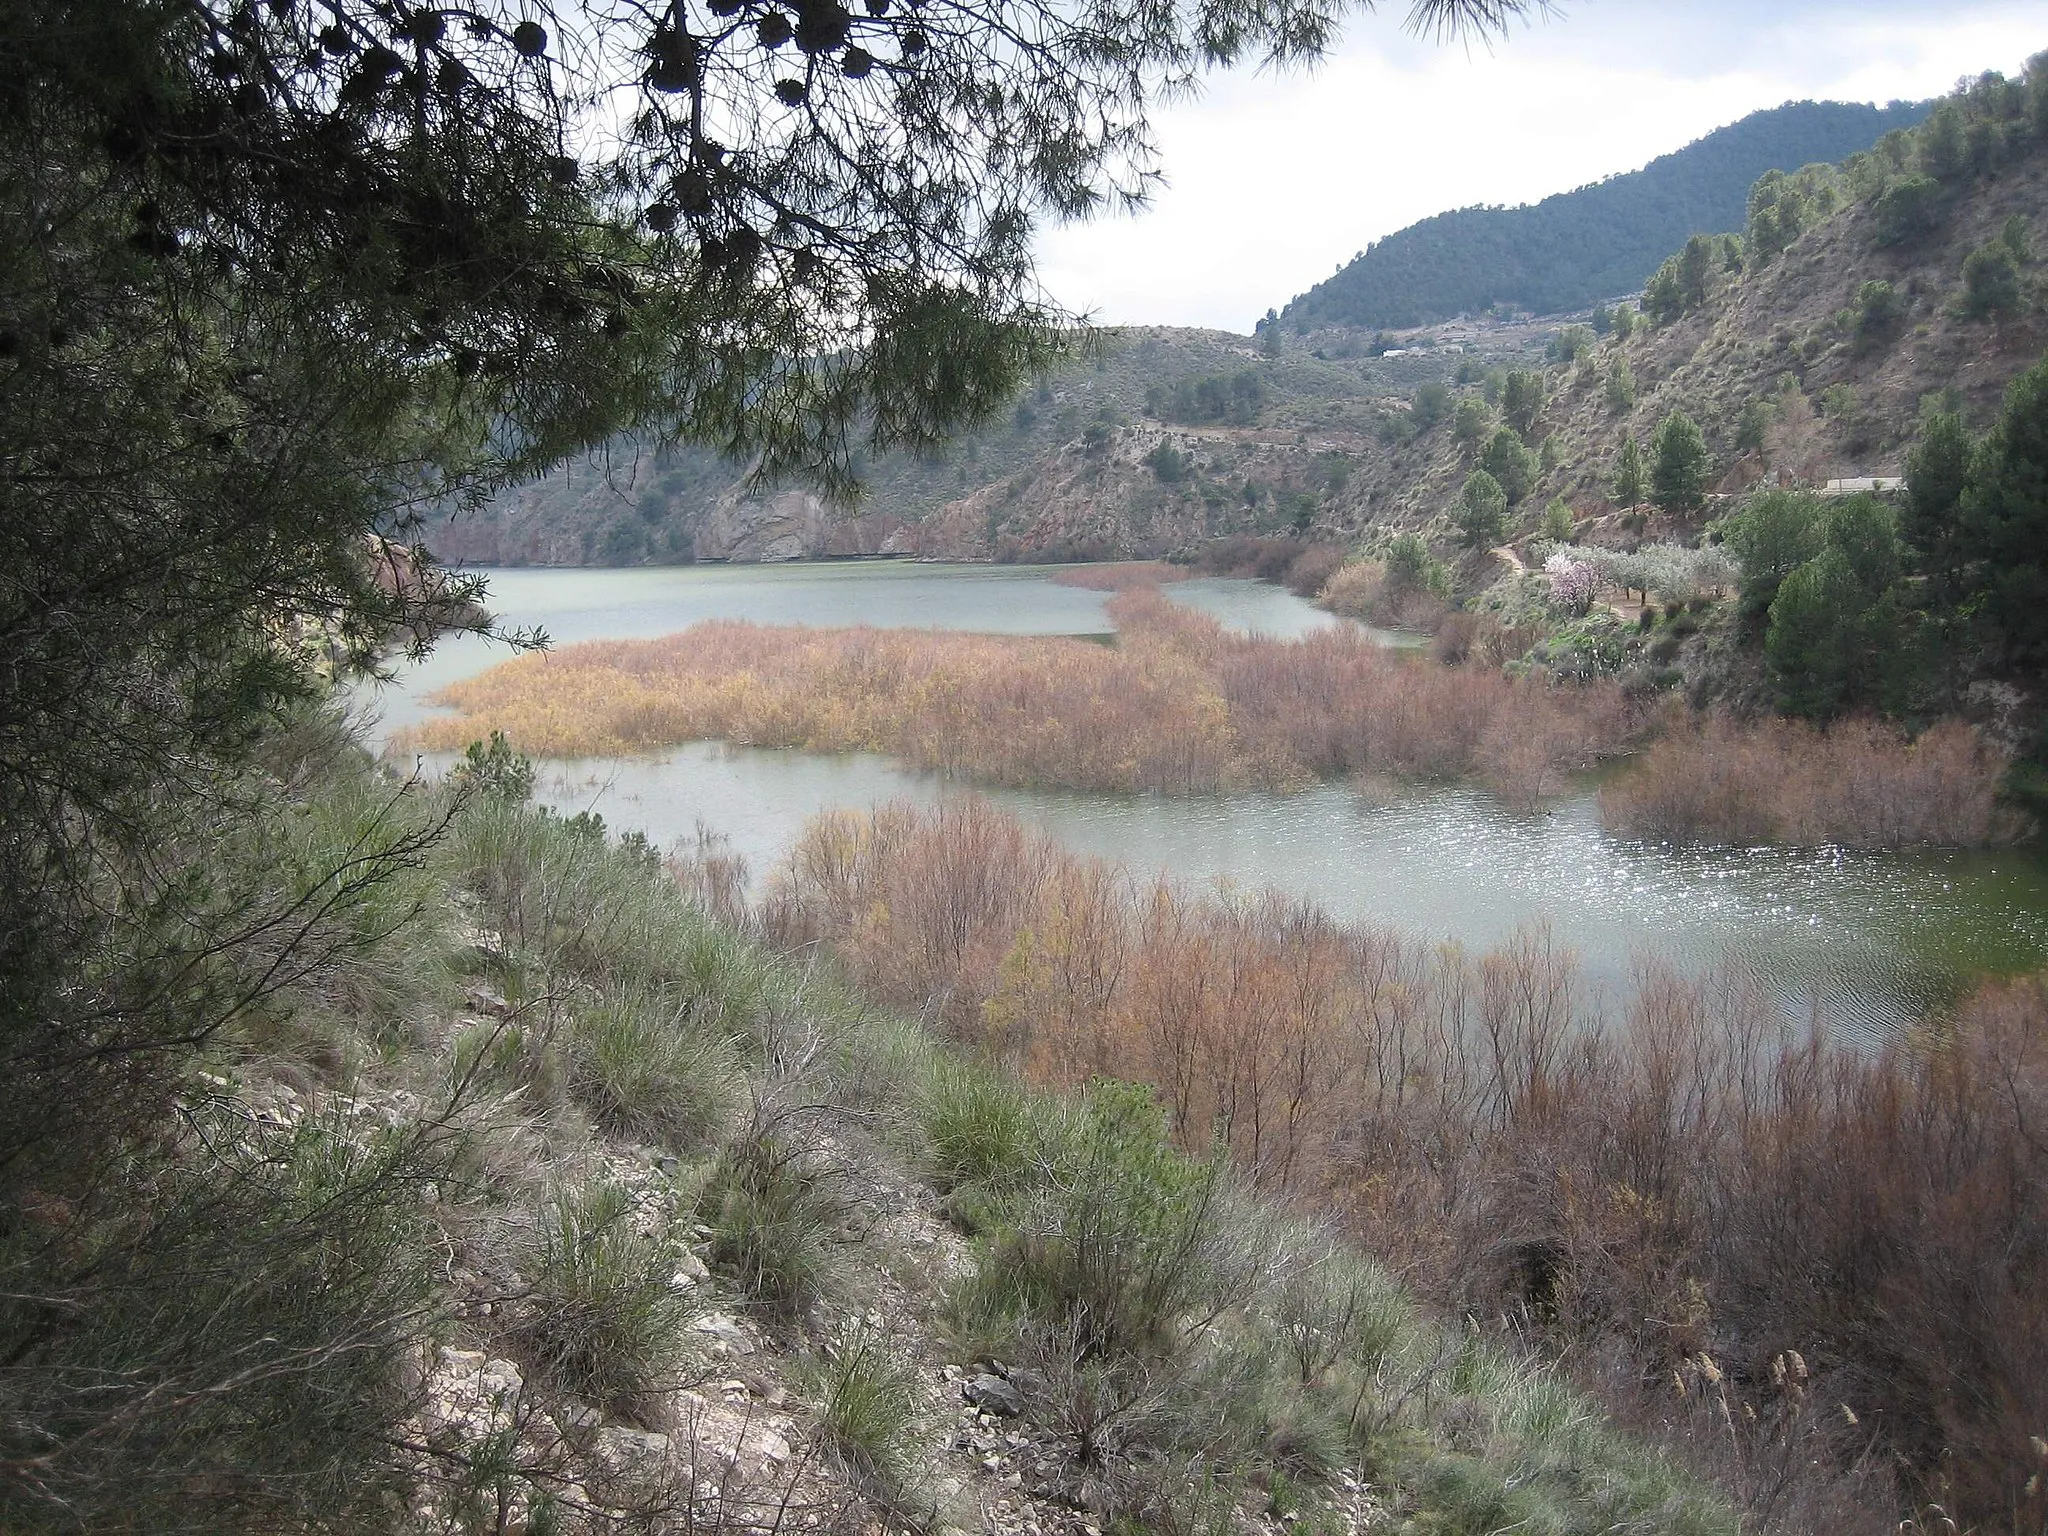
(1571, 250)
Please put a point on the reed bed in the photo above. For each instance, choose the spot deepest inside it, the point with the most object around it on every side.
(1178, 706)
(1826, 1257)
(1859, 783)
(1121, 575)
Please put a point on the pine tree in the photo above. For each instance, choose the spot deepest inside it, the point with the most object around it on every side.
(1678, 475)
(1631, 477)
(1937, 473)
(2005, 524)
(1510, 464)
(1620, 388)
(1481, 513)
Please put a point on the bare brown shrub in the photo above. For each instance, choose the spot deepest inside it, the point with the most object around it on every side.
(1360, 589)
(1301, 565)
(1120, 575)
(1178, 706)
(1818, 1265)
(1860, 783)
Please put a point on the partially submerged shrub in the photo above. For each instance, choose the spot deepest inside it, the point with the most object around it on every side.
(1178, 706)
(1860, 783)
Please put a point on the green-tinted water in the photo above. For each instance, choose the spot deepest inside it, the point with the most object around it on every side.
(1864, 938)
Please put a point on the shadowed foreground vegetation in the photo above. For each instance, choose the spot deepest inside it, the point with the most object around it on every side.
(1180, 705)
(1814, 1251)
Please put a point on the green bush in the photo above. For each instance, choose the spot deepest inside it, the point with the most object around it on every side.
(603, 1319)
(642, 1066)
(1991, 282)
(1908, 210)
(1119, 1240)
(774, 1216)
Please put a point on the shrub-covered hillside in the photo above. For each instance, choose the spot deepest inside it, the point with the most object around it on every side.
(1573, 249)
(530, 1190)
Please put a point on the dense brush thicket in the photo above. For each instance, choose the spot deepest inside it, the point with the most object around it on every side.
(1850, 1240)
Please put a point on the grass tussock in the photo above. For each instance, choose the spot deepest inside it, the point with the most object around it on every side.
(603, 1319)
(1858, 783)
(1162, 1318)
(1683, 1178)
(774, 1209)
(867, 1406)
(1178, 706)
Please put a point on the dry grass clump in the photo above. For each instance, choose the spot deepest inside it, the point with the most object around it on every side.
(1859, 783)
(1120, 575)
(1179, 706)
(1687, 1178)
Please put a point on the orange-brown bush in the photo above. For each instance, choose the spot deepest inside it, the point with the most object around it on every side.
(1302, 567)
(1362, 590)
(1120, 575)
(1178, 706)
(1686, 1181)
(1860, 783)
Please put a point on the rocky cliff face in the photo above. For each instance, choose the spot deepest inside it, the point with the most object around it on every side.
(794, 525)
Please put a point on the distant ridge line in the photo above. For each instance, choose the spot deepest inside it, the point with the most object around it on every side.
(1573, 249)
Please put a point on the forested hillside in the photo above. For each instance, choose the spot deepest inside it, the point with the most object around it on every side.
(1156, 438)
(1803, 349)
(1572, 250)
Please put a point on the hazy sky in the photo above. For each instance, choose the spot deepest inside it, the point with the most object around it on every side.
(1275, 182)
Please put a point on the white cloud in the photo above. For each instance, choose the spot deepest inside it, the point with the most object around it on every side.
(1276, 182)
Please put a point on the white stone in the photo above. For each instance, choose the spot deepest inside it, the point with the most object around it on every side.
(725, 1331)
(635, 1453)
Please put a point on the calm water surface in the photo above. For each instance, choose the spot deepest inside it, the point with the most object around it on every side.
(1864, 939)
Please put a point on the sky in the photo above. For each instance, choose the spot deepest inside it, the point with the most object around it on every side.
(1274, 182)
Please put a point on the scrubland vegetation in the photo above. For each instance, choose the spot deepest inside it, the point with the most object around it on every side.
(1818, 1267)
(522, 1095)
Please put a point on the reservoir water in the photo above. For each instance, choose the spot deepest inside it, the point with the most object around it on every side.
(1863, 939)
